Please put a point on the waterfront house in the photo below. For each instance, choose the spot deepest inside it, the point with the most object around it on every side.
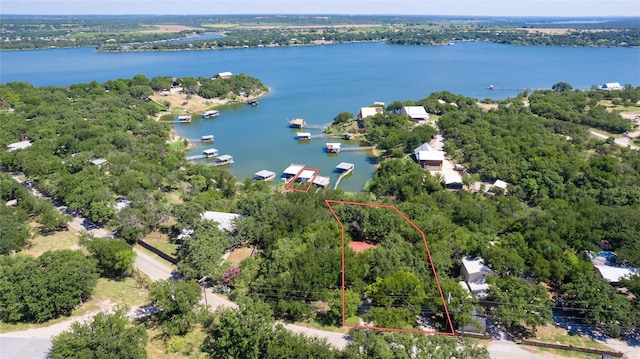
(333, 147)
(303, 136)
(369, 111)
(210, 152)
(297, 123)
(223, 75)
(207, 138)
(18, 145)
(415, 113)
(224, 160)
(264, 175)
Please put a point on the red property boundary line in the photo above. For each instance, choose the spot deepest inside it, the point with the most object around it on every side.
(328, 202)
(293, 180)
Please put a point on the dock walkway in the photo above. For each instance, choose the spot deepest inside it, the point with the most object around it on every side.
(342, 175)
(193, 158)
(357, 148)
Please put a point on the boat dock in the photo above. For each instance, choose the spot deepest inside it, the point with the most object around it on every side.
(344, 168)
(366, 148)
(193, 158)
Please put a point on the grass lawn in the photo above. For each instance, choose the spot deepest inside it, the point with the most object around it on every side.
(58, 240)
(107, 293)
(176, 347)
(551, 334)
(161, 241)
(355, 320)
(237, 255)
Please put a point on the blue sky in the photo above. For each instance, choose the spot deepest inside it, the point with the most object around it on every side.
(572, 8)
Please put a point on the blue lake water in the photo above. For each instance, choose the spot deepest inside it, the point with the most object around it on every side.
(318, 82)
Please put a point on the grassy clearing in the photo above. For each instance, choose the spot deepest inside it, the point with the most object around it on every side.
(56, 241)
(161, 241)
(107, 293)
(551, 334)
(355, 320)
(237, 255)
(176, 347)
(316, 325)
(606, 133)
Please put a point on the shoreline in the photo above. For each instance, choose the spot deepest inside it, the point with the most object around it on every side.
(201, 105)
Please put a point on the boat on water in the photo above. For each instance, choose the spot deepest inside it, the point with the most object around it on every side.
(207, 138)
(210, 114)
(253, 103)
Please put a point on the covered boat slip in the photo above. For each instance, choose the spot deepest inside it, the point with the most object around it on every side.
(264, 175)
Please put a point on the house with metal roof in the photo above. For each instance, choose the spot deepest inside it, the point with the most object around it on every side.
(415, 113)
(226, 221)
(369, 111)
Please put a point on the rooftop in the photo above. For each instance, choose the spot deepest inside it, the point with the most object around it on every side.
(18, 145)
(225, 220)
(475, 265)
(430, 156)
(293, 169)
(265, 174)
(345, 166)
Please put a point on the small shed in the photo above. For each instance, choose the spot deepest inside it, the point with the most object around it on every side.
(264, 175)
(333, 147)
(98, 161)
(210, 152)
(18, 145)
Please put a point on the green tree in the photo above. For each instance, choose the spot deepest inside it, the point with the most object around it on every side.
(115, 257)
(518, 302)
(40, 289)
(201, 255)
(562, 86)
(175, 302)
(106, 336)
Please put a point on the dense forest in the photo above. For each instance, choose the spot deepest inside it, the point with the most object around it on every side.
(144, 33)
(567, 193)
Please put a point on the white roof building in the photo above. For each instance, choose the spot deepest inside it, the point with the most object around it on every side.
(293, 169)
(415, 113)
(19, 145)
(369, 111)
(500, 184)
(430, 156)
(423, 147)
(225, 220)
(605, 265)
(611, 86)
(223, 75)
(99, 161)
(474, 270)
(306, 175)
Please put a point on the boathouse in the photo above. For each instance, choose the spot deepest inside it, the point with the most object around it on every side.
(210, 114)
(264, 175)
(297, 123)
(321, 181)
(183, 118)
(291, 172)
(333, 147)
(304, 136)
(224, 160)
(210, 152)
(207, 138)
(344, 167)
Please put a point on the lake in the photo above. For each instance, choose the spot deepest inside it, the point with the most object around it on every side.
(318, 82)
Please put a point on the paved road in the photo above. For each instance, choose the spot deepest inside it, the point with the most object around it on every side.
(623, 141)
(153, 268)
